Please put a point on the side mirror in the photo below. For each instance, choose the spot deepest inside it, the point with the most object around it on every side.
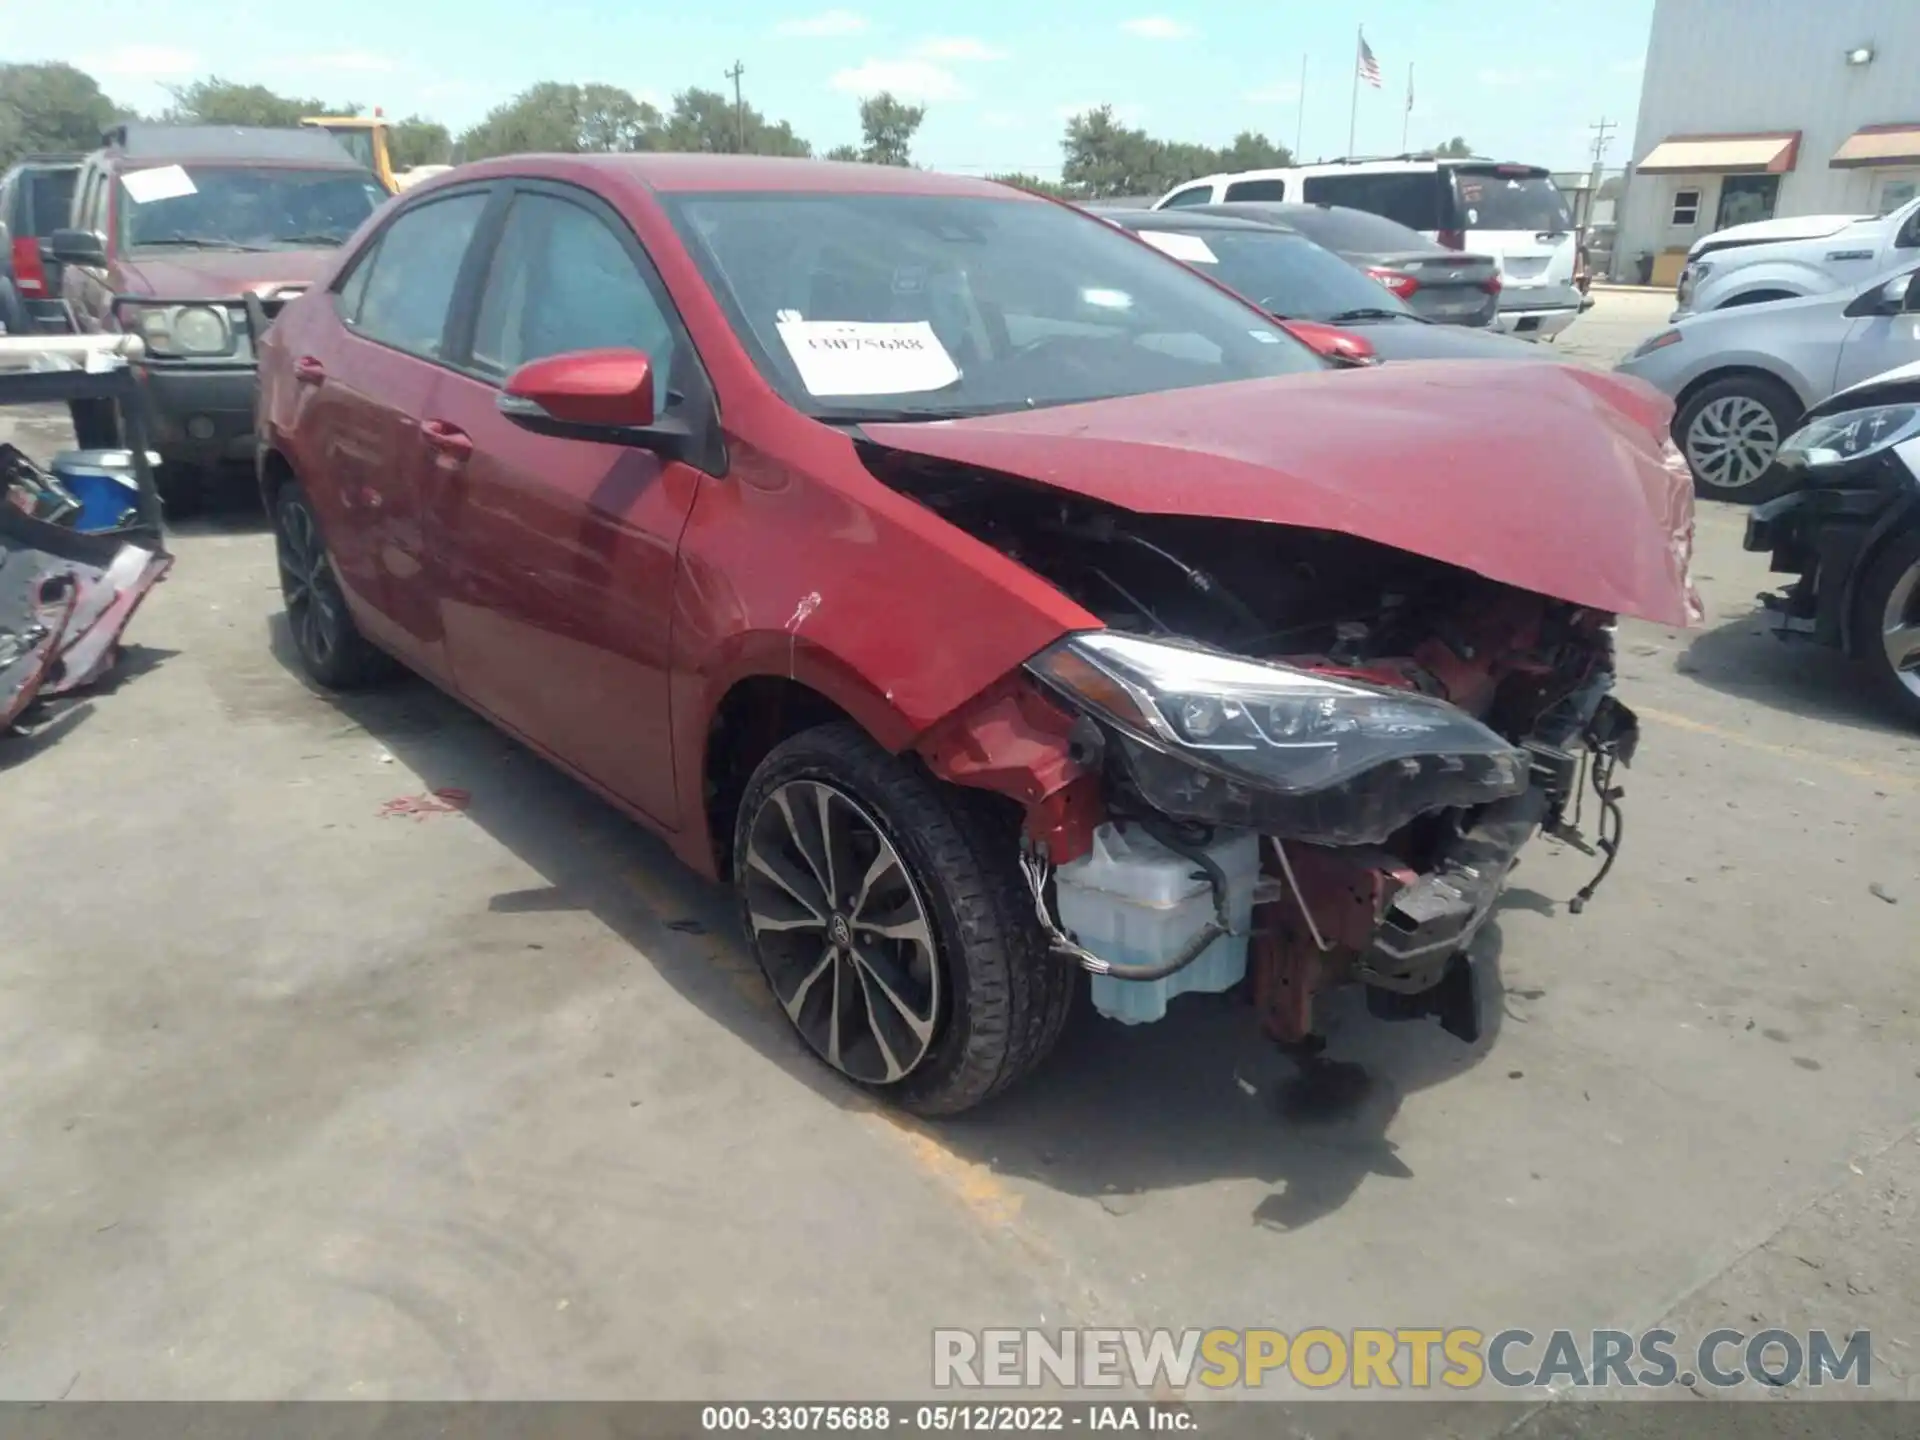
(1343, 347)
(77, 247)
(586, 390)
(1892, 298)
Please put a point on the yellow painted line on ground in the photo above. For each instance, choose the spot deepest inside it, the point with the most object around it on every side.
(1785, 752)
(983, 1194)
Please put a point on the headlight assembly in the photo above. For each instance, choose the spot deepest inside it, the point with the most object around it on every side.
(1838, 439)
(1228, 741)
(181, 330)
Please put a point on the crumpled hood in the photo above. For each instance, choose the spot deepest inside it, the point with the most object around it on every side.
(223, 274)
(1550, 478)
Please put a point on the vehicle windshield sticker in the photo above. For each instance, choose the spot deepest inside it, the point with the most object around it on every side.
(863, 357)
(168, 182)
(1190, 248)
(1471, 190)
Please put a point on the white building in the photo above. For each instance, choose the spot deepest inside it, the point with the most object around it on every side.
(1756, 108)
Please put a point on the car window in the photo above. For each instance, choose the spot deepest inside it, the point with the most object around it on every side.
(1257, 190)
(562, 280)
(1356, 231)
(411, 276)
(243, 207)
(1192, 195)
(1284, 274)
(1509, 198)
(1407, 197)
(945, 305)
(49, 200)
(353, 294)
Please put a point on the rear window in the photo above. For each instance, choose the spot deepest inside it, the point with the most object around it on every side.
(1356, 231)
(50, 200)
(1408, 197)
(1509, 198)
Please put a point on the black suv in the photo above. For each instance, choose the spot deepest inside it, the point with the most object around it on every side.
(36, 199)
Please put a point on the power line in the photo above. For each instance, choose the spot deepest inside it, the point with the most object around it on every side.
(1602, 137)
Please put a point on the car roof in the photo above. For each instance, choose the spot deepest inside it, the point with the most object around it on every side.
(130, 145)
(1190, 218)
(684, 172)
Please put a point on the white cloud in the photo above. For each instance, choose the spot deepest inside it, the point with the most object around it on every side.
(999, 119)
(142, 61)
(1637, 65)
(1515, 79)
(827, 22)
(1127, 112)
(959, 47)
(1282, 94)
(1157, 27)
(909, 79)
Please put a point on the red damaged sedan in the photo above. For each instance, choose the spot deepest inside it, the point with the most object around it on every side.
(991, 598)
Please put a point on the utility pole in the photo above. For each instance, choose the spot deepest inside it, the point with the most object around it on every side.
(1602, 138)
(1300, 123)
(739, 109)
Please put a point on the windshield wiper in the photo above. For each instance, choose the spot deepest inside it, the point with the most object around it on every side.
(1374, 312)
(310, 240)
(904, 415)
(199, 242)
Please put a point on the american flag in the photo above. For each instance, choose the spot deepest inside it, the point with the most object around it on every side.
(1369, 67)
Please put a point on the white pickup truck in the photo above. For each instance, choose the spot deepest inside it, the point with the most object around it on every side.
(1794, 255)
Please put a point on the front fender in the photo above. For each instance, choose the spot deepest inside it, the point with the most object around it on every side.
(1792, 277)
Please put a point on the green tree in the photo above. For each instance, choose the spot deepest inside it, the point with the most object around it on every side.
(1251, 150)
(887, 128)
(213, 101)
(417, 140)
(1454, 149)
(569, 119)
(842, 152)
(706, 120)
(1021, 181)
(50, 107)
(1105, 159)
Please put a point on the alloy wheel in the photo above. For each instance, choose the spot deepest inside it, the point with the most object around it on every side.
(314, 605)
(1900, 629)
(842, 933)
(1732, 441)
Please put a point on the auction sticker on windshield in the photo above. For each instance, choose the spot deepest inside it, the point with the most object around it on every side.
(1190, 248)
(867, 357)
(167, 182)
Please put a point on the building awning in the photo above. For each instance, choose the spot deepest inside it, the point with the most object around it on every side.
(1879, 145)
(1768, 154)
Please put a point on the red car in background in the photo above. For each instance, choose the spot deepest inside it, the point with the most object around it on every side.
(932, 560)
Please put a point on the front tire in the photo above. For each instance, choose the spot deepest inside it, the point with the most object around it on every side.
(891, 921)
(1888, 622)
(332, 651)
(1730, 432)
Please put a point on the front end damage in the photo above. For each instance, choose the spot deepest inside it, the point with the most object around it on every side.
(1376, 734)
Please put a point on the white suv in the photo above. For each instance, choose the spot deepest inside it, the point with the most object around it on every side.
(1514, 213)
(1792, 256)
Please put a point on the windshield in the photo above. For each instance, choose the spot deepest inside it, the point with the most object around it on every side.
(243, 207)
(933, 306)
(356, 141)
(1285, 274)
(50, 200)
(1491, 199)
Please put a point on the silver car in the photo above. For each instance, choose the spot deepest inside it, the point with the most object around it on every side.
(1742, 378)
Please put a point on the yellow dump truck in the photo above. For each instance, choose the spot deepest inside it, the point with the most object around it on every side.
(365, 138)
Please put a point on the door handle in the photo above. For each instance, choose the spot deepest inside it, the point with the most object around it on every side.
(309, 371)
(448, 440)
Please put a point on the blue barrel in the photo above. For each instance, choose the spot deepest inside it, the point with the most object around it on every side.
(103, 483)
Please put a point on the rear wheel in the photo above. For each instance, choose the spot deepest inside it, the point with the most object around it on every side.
(1889, 621)
(332, 650)
(891, 921)
(1730, 432)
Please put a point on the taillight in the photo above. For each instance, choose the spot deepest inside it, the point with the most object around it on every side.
(28, 273)
(1453, 239)
(1398, 281)
(1491, 284)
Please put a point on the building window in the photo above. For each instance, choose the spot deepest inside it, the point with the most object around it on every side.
(1686, 207)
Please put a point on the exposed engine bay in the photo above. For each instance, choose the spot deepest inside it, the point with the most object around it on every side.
(1384, 731)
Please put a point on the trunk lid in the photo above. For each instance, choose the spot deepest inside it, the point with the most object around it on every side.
(1518, 215)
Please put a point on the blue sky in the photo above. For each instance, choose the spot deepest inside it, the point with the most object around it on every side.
(997, 76)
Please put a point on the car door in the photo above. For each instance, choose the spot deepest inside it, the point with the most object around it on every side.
(1875, 343)
(373, 366)
(85, 287)
(558, 555)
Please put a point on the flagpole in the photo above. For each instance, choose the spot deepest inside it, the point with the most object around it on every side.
(1406, 115)
(1353, 111)
(1300, 125)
